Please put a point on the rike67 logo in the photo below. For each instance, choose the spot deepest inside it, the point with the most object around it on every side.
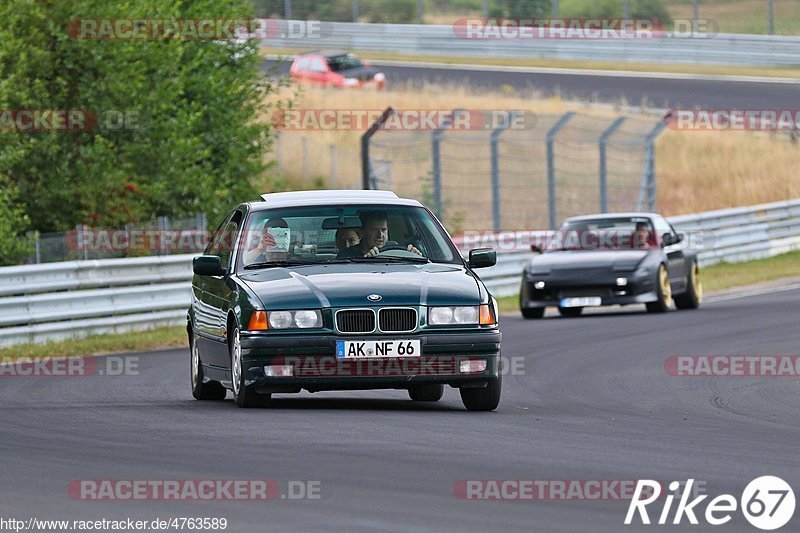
(767, 502)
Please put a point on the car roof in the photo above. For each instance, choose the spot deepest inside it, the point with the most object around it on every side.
(325, 53)
(612, 215)
(332, 197)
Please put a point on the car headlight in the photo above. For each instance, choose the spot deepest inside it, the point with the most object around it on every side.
(461, 315)
(380, 76)
(351, 82)
(303, 319)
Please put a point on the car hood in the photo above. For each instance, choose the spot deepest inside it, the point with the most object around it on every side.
(348, 285)
(360, 73)
(587, 259)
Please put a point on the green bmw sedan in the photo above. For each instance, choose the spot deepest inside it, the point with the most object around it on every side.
(340, 290)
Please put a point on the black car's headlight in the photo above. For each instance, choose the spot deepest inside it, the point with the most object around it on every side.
(461, 315)
(302, 318)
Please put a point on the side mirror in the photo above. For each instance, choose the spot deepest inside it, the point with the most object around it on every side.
(482, 257)
(666, 240)
(678, 238)
(535, 249)
(208, 265)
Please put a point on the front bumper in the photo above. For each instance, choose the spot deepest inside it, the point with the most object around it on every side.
(316, 368)
(637, 291)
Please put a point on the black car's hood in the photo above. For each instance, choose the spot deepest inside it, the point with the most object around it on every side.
(349, 285)
(587, 259)
(360, 73)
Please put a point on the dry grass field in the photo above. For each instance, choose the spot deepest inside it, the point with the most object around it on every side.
(695, 171)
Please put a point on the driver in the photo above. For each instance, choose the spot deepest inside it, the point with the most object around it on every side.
(642, 237)
(374, 236)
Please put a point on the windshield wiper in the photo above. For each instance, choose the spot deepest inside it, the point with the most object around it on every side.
(289, 262)
(390, 259)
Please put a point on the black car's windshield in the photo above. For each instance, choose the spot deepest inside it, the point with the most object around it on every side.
(344, 62)
(299, 236)
(619, 233)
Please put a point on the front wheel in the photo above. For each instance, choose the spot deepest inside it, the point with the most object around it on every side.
(243, 396)
(694, 292)
(484, 399)
(426, 393)
(210, 390)
(664, 292)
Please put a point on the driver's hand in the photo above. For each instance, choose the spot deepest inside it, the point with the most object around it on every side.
(413, 249)
(373, 252)
(267, 242)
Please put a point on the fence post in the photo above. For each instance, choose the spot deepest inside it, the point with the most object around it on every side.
(305, 156)
(333, 166)
(604, 164)
(366, 173)
(496, 219)
(648, 186)
(278, 150)
(436, 140)
(551, 170)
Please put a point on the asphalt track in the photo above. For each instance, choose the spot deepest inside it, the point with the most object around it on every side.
(590, 400)
(656, 92)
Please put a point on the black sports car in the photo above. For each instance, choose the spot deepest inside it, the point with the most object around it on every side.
(611, 259)
(331, 290)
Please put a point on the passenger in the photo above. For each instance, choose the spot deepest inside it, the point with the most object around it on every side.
(266, 242)
(346, 238)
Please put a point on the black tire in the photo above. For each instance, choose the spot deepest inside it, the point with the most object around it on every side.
(243, 396)
(210, 390)
(694, 291)
(532, 312)
(664, 292)
(570, 311)
(483, 399)
(426, 393)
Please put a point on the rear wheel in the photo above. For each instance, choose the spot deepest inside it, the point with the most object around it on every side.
(570, 311)
(210, 390)
(664, 292)
(426, 393)
(483, 399)
(694, 292)
(243, 396)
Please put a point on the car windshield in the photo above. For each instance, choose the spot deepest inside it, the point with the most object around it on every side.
(625, 233)
(344, 62)
(301, 236)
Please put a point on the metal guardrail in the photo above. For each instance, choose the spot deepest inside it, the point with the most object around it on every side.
(77, 298)
(441, 40)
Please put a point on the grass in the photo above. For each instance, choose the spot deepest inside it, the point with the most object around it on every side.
(742, 16)
(173, 337)
(721, 276)
(720, 70)
(696, 170)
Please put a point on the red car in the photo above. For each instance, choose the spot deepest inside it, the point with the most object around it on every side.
(335, 69)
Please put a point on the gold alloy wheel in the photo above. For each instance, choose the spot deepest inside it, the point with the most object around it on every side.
(697, 283)
(664, 286)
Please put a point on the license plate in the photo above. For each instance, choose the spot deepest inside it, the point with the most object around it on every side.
(585, 301)
(377, 348)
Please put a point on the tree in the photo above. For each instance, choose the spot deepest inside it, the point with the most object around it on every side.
(14, 244)
(191, 138)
